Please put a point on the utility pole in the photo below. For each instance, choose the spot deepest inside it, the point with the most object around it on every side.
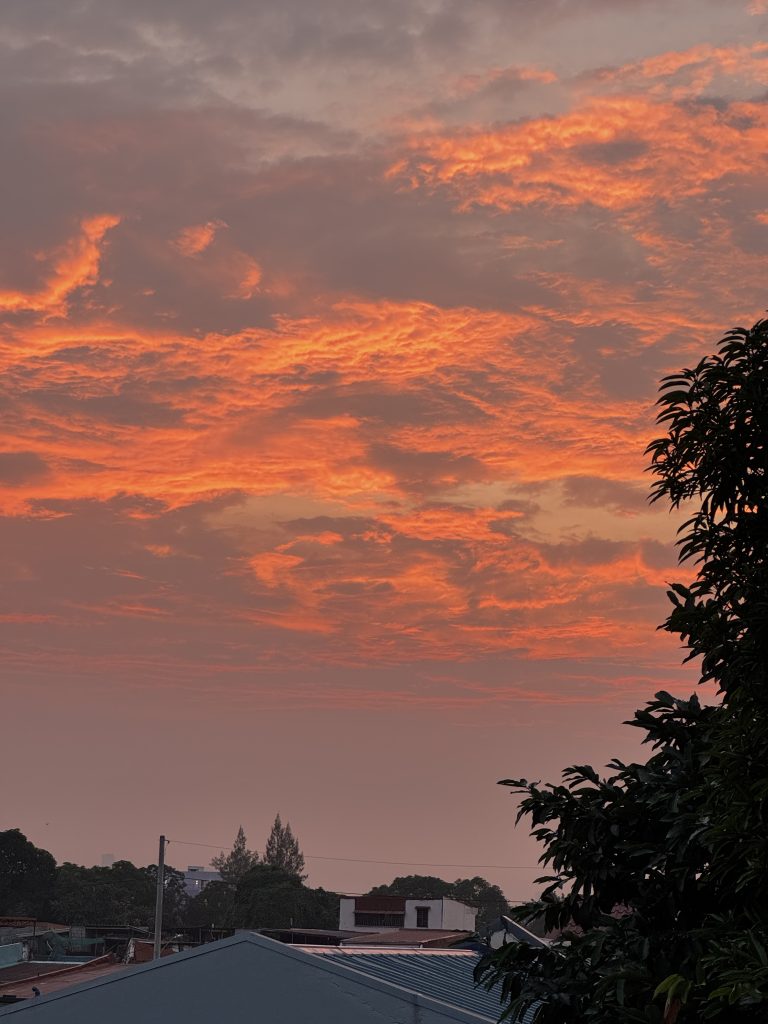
(159, 899)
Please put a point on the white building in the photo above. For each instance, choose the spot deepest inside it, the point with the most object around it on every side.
(382, 913)
(196, 878)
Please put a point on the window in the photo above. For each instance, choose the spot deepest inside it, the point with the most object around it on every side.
(422, 917)
(381, 920)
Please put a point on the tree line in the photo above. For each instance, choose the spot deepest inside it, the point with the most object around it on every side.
(267, 891)
(255, 891)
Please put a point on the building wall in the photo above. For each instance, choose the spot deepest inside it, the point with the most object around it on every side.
(435, 916)
(449, 915)
(458, 916)
(347, 914)
(196, 879)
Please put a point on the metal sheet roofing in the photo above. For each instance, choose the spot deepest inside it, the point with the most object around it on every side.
(443, 974)
(441, 938)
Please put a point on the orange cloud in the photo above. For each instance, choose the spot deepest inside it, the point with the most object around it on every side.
(71, 266)
(661, 152)
(196, 238)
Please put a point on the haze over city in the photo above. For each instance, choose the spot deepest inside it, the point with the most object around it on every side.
(331, 338)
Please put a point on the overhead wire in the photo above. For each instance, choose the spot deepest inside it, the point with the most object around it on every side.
(391, 863)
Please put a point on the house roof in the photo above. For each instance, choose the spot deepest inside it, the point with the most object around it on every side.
(307, 936)
(51, 976)
(234, 979)
(444, 974)
(419, 937)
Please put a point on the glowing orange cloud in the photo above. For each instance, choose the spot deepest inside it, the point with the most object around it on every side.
(196, 238)
(73, 265)
(670, 153)
(387, 479)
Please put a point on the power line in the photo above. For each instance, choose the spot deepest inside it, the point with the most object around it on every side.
(392, 863)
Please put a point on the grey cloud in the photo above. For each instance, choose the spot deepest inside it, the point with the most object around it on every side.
(424, 471)
(430, 404)
(18, 468)
(617, 151)
(586, 552)
(129, 405)
(656, 555)
(599, 492)
(344, 525)
(522, 506)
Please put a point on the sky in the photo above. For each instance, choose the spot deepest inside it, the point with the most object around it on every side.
(330, 335)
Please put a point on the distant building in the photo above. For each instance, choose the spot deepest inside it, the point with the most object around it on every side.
(107, 860)
(380, 913)
(196, 878)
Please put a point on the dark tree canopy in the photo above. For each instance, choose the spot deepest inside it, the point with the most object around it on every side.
(238, 862)
(27, 876)
(213, 907)
(663, 865)
(122, 894)
(282, 849)
(273, 897)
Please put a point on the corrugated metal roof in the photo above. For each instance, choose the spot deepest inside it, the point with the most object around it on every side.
(439, 937)
(442, 974)
(220, 982)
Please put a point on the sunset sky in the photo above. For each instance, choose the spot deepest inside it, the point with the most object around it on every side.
(331, 332)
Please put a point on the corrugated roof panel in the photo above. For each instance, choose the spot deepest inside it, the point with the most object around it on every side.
(442, 974)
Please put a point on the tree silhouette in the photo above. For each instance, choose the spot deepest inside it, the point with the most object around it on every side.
(238, 862)
(282, 849)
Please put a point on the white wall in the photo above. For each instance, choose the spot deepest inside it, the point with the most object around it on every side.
(458, 916)
(435, 912)
(446, 914)
(347, 915)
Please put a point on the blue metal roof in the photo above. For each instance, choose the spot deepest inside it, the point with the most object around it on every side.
(441, 974)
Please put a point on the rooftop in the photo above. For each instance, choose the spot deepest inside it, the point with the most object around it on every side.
(51, 976)
(443, 974)
(219, 982)
(415, 937)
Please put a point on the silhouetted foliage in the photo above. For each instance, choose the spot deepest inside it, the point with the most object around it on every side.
(282, 849)
(662, 866)
(27, 876)
(213, 907)
(238, 862)
(122, 894)
(272, 897)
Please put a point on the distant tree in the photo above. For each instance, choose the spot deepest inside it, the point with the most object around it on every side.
(213, 907)
(477, 892)
(282, 850)
(273, 897)
(489, 899)
(238, 862)
(175, 898)
(122, 894)
(27, 876)
(417, 887)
